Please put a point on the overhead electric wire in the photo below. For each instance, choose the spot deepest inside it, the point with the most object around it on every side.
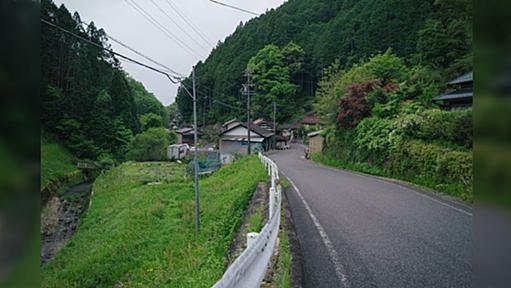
(234, 7)
(179, 26)
(139, 53)
(190, 23)
(173, 78)
(214, 100)
(162, 28)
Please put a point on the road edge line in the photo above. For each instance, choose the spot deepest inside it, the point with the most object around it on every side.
(334, 256)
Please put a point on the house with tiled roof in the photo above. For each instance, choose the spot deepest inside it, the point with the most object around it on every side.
(459, 94)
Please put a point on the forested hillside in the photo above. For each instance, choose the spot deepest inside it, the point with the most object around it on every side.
(88, 101)
(435, 33)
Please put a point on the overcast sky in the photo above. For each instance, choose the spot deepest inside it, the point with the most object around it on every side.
(123, 22)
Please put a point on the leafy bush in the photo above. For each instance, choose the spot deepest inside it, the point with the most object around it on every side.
(354, 106)
(150, 120)
(442, 165)
(106, 161)
(434, 125)
(373, 139)
(150, 145)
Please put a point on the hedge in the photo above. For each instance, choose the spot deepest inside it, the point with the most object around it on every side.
(442, 165)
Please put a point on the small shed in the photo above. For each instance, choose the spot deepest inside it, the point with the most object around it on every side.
(235, 139)
(177, 151)
(315, 141)
(459, 93)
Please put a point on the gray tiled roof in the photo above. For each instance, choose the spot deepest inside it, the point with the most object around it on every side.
(454, 95)
(463, 79)
(263, 132)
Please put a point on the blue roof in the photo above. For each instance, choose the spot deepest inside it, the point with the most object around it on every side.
(469, 77)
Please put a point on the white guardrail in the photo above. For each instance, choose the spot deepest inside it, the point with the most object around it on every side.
(250, 267)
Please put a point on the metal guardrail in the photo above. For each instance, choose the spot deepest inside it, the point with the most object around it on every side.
(249, 269)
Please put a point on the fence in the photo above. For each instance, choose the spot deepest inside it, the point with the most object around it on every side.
(250, 267)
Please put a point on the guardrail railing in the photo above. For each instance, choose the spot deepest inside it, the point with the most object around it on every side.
(249, 269)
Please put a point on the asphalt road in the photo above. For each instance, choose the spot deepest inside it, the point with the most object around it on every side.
(362, 231)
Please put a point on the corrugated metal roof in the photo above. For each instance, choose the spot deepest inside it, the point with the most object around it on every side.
(454, 95)
(463, 79)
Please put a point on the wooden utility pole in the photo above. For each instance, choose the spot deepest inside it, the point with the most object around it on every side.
(248, 92)
(274, 125)
(196, 172)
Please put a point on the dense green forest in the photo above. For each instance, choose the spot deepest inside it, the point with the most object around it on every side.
(88, 101)
(369, 69)
(435, 33)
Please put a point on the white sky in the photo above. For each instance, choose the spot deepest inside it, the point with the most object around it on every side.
(124, 23)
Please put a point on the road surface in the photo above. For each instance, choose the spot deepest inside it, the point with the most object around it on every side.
(362, 231)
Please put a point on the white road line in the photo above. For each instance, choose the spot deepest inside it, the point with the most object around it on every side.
(443, 203)
(334, 256)
(421, 194)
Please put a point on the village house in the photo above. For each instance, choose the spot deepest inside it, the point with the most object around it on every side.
(459, 93)
(307, 122)
(265, 124)
(235, 139)
(229, 124)
(186, 135)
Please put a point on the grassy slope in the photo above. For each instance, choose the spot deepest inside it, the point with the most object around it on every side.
(143, 235)
(56, 162)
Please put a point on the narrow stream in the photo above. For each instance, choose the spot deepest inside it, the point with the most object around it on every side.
(61, 218)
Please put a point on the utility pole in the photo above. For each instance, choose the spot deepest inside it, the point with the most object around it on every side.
(247, 91)
(197, 208)
(274, 124)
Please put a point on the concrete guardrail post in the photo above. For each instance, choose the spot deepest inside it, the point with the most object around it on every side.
(251, 238)
(272, 201)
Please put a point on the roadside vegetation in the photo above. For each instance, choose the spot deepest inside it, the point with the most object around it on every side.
(140, 229)
(58, 166)
(282, 274)
(385, 123)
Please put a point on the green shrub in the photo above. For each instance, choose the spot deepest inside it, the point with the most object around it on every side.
(451, 128)
(372, 139)
(430, 161)
(150, 145)
(150, 120)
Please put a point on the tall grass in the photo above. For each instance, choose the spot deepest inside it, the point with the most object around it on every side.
(139, 233)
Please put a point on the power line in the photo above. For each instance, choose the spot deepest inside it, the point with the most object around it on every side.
(214, 100)
(162, 28)
(234, 7)
(190, 23)
(173, 78)
(178, 26)
(139, 53)
(142, 55)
